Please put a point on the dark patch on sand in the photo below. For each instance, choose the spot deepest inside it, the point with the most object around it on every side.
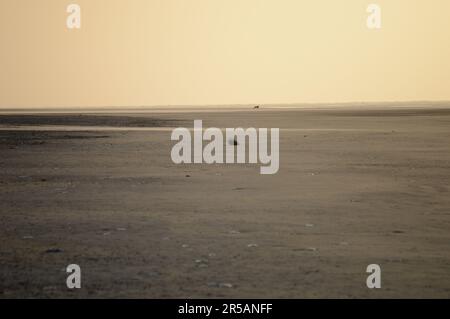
(16, 138)
(86, 120)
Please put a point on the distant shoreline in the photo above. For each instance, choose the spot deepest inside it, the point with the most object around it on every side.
(227, 108)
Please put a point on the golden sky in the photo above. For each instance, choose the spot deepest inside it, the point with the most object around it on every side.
(186, 52)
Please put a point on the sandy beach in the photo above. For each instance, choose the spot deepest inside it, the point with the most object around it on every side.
(356, 186)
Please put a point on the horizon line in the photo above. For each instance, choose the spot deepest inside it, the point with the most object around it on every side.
(240, 105)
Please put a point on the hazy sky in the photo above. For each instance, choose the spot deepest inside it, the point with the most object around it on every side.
(160, 52)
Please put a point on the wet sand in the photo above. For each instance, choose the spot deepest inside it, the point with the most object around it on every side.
(355, 187)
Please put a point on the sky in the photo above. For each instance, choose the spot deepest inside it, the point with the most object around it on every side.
(222, 52)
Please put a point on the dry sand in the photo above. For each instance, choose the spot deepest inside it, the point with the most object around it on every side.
(355, 187)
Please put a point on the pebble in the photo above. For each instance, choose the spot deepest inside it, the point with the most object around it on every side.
(201, 263)
(220, 285)
(53, 251)
(306, 249)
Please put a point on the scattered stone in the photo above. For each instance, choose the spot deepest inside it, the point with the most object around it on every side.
(27, 237)
(309, 225)
(252, 245)
(211, 255)
(306, 249)
(184, 246)
(38, 143)
(201, 263)
(220, 285)
(234, 232)
(121, 229)
(53, 251)
(343, 243)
